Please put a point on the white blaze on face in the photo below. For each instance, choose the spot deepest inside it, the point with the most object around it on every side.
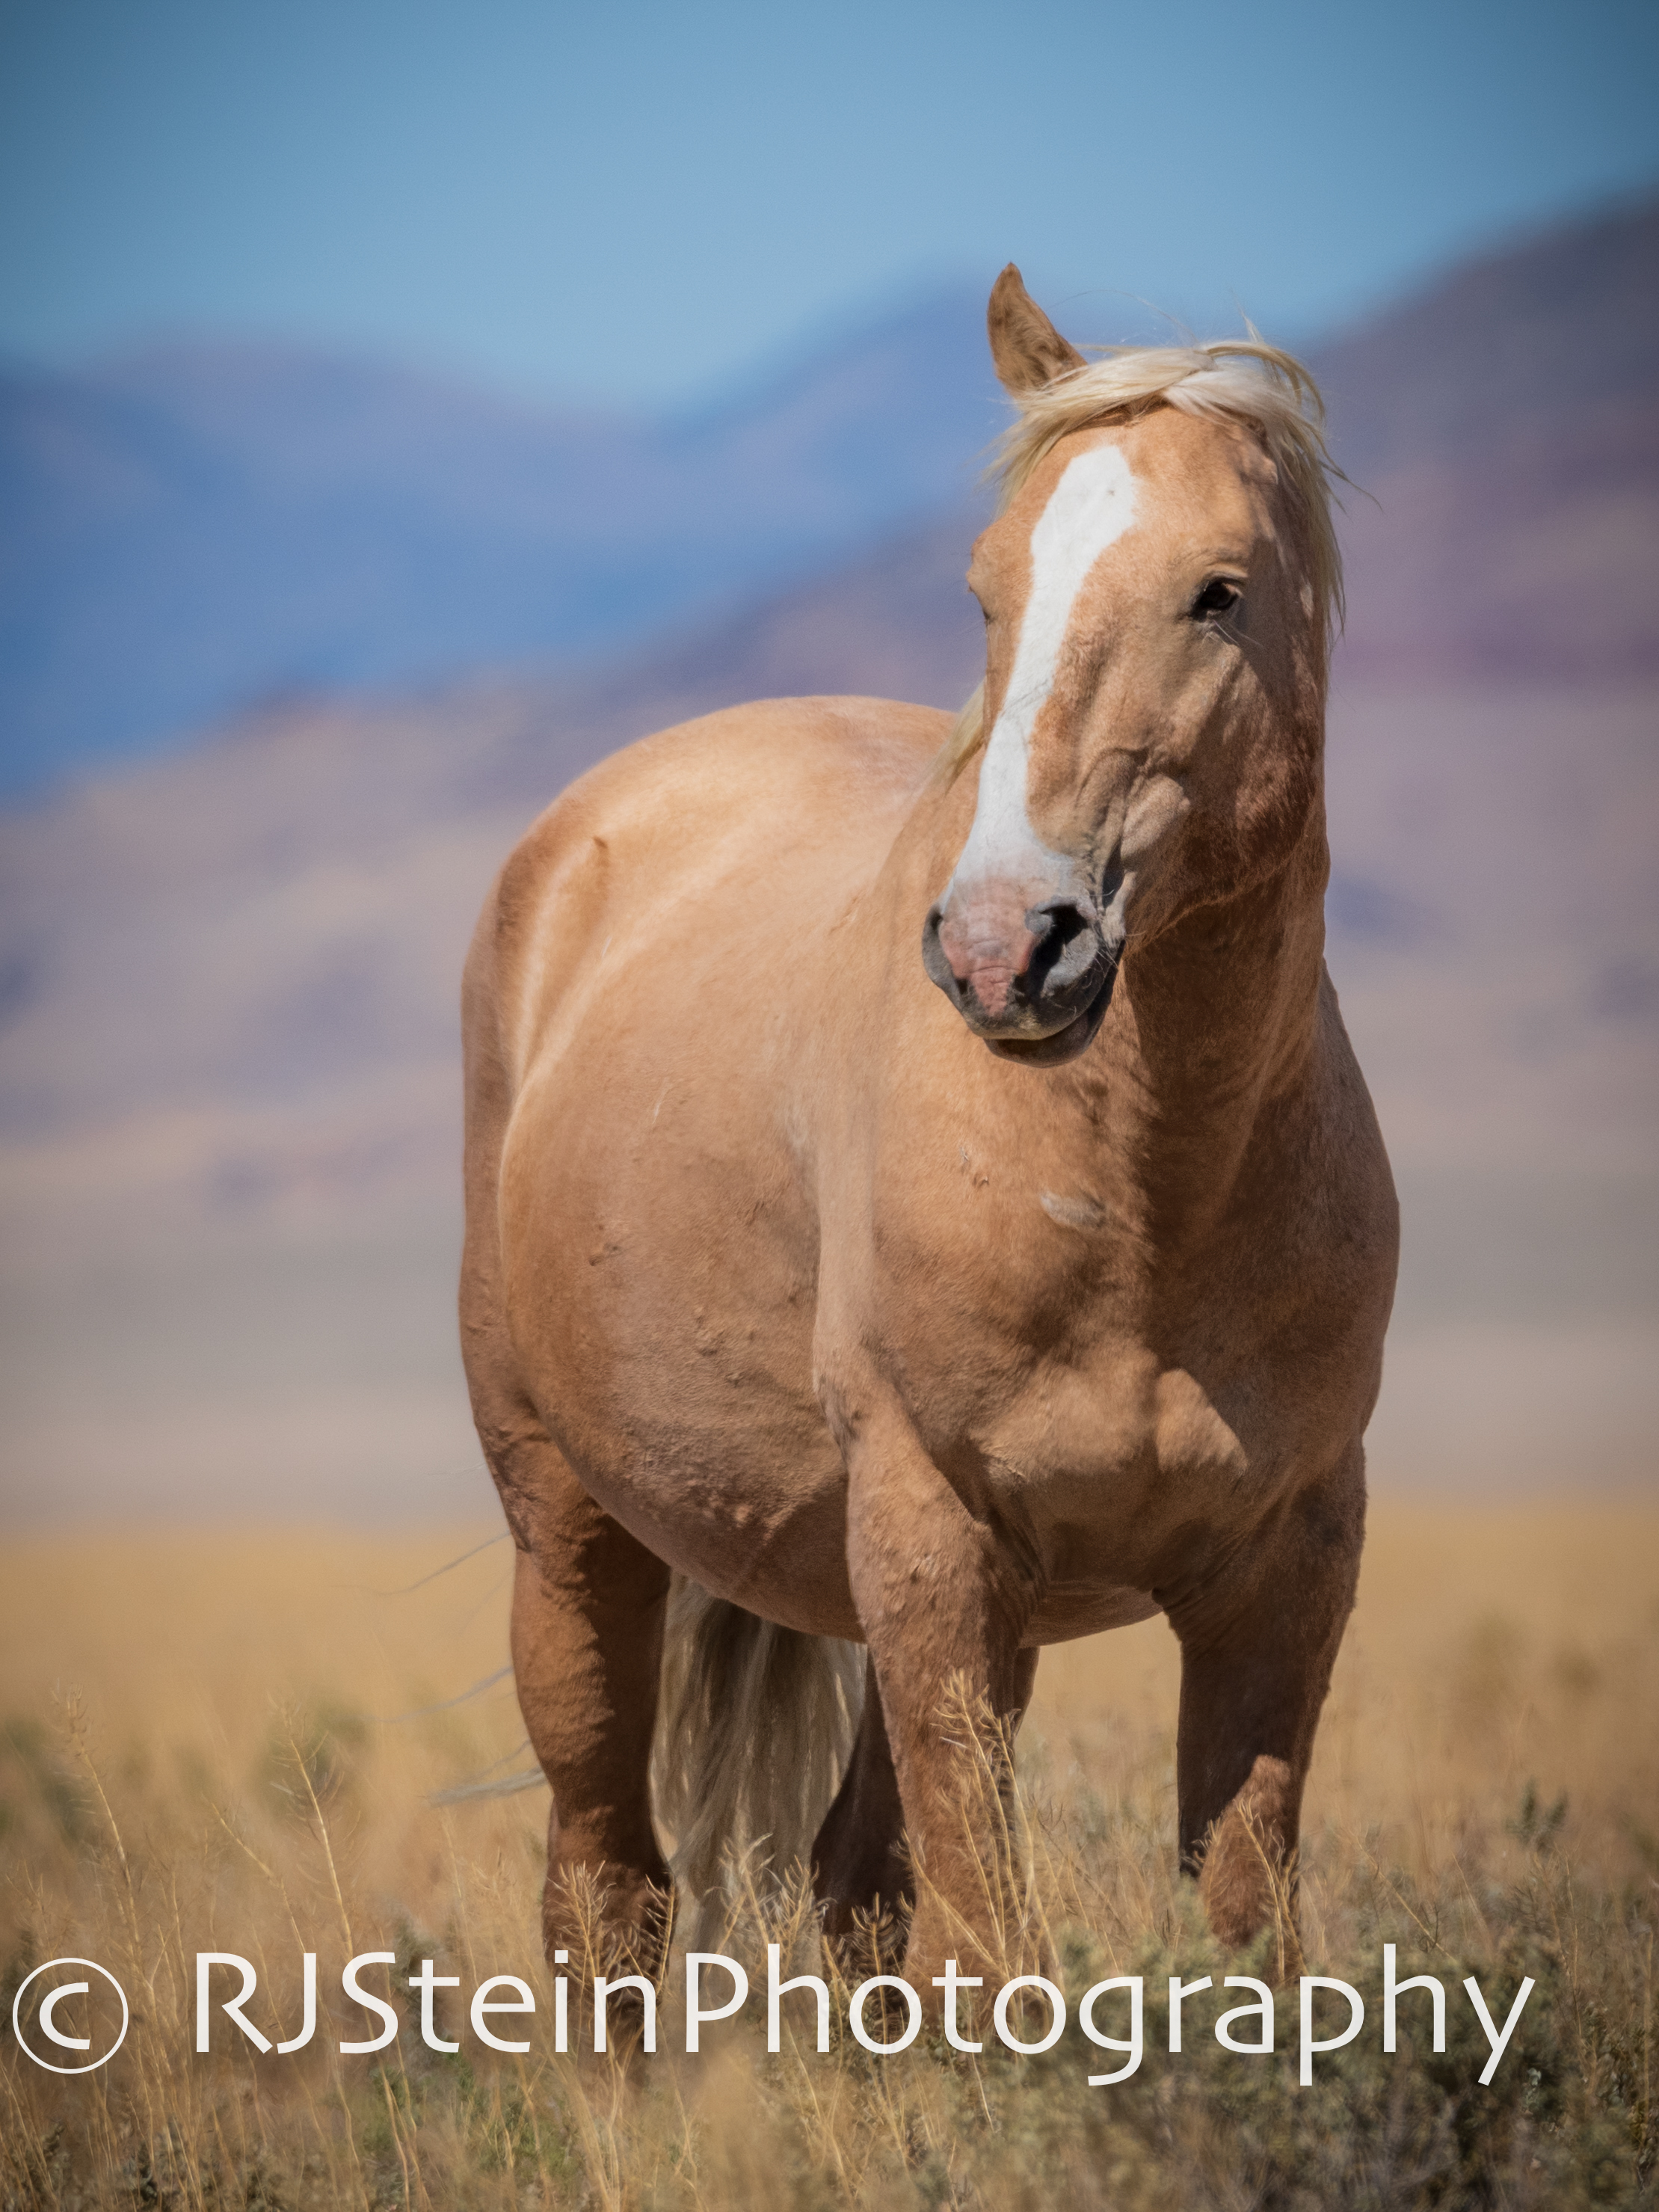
(1091, 507)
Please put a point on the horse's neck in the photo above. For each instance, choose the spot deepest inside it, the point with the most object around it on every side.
(1212, 1029)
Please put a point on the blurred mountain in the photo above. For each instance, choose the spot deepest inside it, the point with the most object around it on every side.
(1563, 324)
(200, 530)
(1504, 432)
(228, 1094)
(193, 531)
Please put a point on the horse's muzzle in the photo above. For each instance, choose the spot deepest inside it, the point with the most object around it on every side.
(1021, 976)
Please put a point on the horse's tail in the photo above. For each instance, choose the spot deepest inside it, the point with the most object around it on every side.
(754, 1727)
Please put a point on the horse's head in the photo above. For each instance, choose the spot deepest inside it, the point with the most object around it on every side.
(1156, 589)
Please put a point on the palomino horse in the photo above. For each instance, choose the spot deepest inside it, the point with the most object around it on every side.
(919, 1187)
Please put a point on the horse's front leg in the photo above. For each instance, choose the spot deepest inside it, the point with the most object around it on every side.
(944, 1591)
(1257, 1644)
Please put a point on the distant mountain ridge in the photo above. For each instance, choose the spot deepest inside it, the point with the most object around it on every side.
(196, 531)
(1563, 321)
(192, 532)
(1502, 427)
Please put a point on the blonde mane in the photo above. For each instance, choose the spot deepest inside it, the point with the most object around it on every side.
(1240, 379)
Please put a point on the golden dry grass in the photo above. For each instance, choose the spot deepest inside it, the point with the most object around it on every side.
(185, 1765)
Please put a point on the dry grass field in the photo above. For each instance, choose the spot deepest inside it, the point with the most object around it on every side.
(197, 1753)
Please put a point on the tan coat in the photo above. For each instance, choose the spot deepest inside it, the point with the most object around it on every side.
(955, 1321)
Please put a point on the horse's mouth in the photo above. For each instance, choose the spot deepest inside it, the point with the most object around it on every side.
(1065, 1044)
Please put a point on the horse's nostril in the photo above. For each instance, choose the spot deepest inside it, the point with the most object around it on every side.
(1056, 923)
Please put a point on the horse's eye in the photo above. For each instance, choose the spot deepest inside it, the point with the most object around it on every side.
(1217, 597)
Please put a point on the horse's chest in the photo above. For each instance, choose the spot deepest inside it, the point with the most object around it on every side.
(1123, 1472)
(1038, 1330)
(1118, 1425)
(1110, 1425)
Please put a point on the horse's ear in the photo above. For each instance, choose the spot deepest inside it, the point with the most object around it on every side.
(1028, 351)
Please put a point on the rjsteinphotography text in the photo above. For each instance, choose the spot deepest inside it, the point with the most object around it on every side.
(1029, 2015)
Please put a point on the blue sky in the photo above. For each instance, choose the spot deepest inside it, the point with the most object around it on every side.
(638, 202)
